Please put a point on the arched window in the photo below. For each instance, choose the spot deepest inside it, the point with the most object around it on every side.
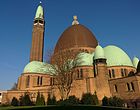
(128, 87)
(27, 81)
(132, 86)
(113, 73)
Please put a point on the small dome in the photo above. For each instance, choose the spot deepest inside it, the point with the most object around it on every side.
(99, 53)
(38, 67)
(84, 59)
(76, 36)
(39, 13)
(116, 56)
(135, 61)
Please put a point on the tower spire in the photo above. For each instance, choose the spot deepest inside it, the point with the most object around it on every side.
(36, 53)
(39, 12)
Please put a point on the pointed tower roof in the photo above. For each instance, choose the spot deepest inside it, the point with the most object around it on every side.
(39, 12)
(135, 62)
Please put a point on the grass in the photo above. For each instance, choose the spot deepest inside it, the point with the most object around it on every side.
(83, 107)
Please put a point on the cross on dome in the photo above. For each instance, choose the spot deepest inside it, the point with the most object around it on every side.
(75, 21)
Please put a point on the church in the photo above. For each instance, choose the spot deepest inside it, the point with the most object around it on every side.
(108, 71)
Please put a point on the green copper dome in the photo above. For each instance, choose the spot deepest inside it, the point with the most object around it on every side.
(38, 67)
(39, 13)
(135, 61)
(116, 56)
(84, 59)
(99, 52)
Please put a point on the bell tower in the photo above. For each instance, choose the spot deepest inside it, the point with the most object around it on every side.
(36, 52)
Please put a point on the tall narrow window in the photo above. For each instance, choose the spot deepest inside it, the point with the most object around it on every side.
(38, 78)
(115, 88)
(113, 73)
(41, 80)
(78, 74)
(27, 81)
(81, 73)
(109, 73)
(125, 72)
(132, 86)
(122, 72)
(128, 87)
(51, 81)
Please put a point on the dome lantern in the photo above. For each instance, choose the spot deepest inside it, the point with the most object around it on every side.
(99, 53)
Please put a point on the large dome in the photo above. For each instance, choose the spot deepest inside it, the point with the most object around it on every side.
(116, 56)
(76, 36)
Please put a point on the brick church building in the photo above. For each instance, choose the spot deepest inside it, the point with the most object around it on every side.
(104, 70)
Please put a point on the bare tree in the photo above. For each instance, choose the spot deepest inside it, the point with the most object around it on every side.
(14, 87)
(48, 55)
(64, 66)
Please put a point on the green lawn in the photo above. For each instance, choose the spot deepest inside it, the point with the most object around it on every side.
(63, 108)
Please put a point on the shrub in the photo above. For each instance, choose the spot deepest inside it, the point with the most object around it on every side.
(40, 99)
(14, 102)
(105, 101)
(72, 100)
(25, 100)
(87, 99)
(115, 101)
(112, 101)
(95, 98)
(51, 100)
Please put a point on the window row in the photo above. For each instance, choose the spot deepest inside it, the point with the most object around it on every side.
(129, 87)
(79, 74)
(112, 73)
(39, 81)
(68, 77)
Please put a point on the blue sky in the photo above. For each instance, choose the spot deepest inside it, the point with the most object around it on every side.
(114, 22)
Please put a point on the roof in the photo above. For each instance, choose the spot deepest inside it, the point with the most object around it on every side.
(116, 56)
(99, 52)
(135, 62)
(39, 67)
(76, 36)
(39, 12)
